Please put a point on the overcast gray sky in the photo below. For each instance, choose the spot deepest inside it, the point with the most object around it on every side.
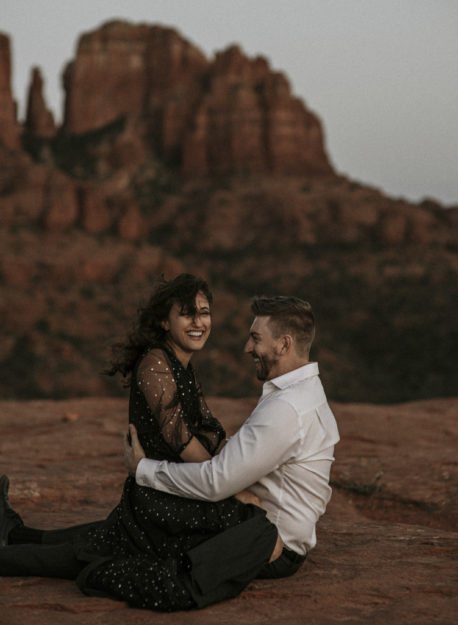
(381, 74)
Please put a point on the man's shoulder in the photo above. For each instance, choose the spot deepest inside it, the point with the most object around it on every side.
(304, 394)
(271, 407)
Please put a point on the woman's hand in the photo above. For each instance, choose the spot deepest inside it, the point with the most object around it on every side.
(133, 451)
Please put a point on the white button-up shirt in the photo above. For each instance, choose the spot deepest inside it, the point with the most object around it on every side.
(282, 453)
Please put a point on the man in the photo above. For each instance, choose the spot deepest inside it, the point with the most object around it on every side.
(283, 452)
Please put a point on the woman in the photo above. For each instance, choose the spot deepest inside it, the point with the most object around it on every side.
(140, 553)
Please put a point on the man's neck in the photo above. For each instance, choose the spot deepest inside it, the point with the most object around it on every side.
(287, 367)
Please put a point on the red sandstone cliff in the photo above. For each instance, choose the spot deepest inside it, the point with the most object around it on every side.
(39, 119)
(248, 120)
(229, 114)
(137, 71)
(9, 129)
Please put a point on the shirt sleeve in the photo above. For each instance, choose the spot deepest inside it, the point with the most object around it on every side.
(267, 439)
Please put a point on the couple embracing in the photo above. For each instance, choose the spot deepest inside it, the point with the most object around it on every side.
(200, 516)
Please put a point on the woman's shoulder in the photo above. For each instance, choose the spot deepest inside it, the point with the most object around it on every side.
(155, 358)
(154, 375)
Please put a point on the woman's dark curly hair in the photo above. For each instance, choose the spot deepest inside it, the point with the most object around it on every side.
(148, 329)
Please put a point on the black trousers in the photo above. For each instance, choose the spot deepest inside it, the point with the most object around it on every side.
(287, 564)
(220, 567)
(57, 560)
(54, 557)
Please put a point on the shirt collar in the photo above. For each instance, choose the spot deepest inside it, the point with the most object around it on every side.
(288, 379)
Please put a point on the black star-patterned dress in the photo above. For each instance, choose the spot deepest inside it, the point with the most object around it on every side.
(139, 553)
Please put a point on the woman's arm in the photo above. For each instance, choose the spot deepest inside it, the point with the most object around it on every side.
(194, 452)
(156, 381)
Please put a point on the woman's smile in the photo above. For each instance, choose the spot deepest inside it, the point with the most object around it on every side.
(188, 331)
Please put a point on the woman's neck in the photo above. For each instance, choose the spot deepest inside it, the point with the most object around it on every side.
(181, 355)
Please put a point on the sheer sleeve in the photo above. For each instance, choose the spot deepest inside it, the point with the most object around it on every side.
(211, 433)
(157, 382)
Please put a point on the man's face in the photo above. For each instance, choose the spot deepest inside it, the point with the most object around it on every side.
(264, 349)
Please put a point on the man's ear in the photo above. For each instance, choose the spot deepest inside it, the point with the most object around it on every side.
(285, 344)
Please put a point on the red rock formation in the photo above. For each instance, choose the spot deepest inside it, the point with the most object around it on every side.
(95, 213)
(39, 119)
(61, 203)
(232, 114)
(248, 120)
(131, 226)
(9, 131)
(78, 244)
(122, 69)
(32, 193)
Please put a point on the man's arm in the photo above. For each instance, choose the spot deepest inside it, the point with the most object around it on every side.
(134, 452)
(265, 441)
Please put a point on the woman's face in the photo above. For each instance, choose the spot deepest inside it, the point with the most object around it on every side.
(187, 334)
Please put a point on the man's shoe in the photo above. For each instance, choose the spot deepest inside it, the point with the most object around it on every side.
(8, 517)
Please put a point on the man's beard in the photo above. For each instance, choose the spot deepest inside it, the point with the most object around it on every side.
(264, 367)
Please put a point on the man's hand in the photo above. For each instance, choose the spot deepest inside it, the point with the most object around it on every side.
(276, 553)
(246, 497)
(133, 451)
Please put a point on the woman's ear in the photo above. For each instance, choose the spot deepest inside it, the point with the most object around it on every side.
(165, 325)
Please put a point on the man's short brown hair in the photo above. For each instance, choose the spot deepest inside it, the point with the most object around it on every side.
(288, 315)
